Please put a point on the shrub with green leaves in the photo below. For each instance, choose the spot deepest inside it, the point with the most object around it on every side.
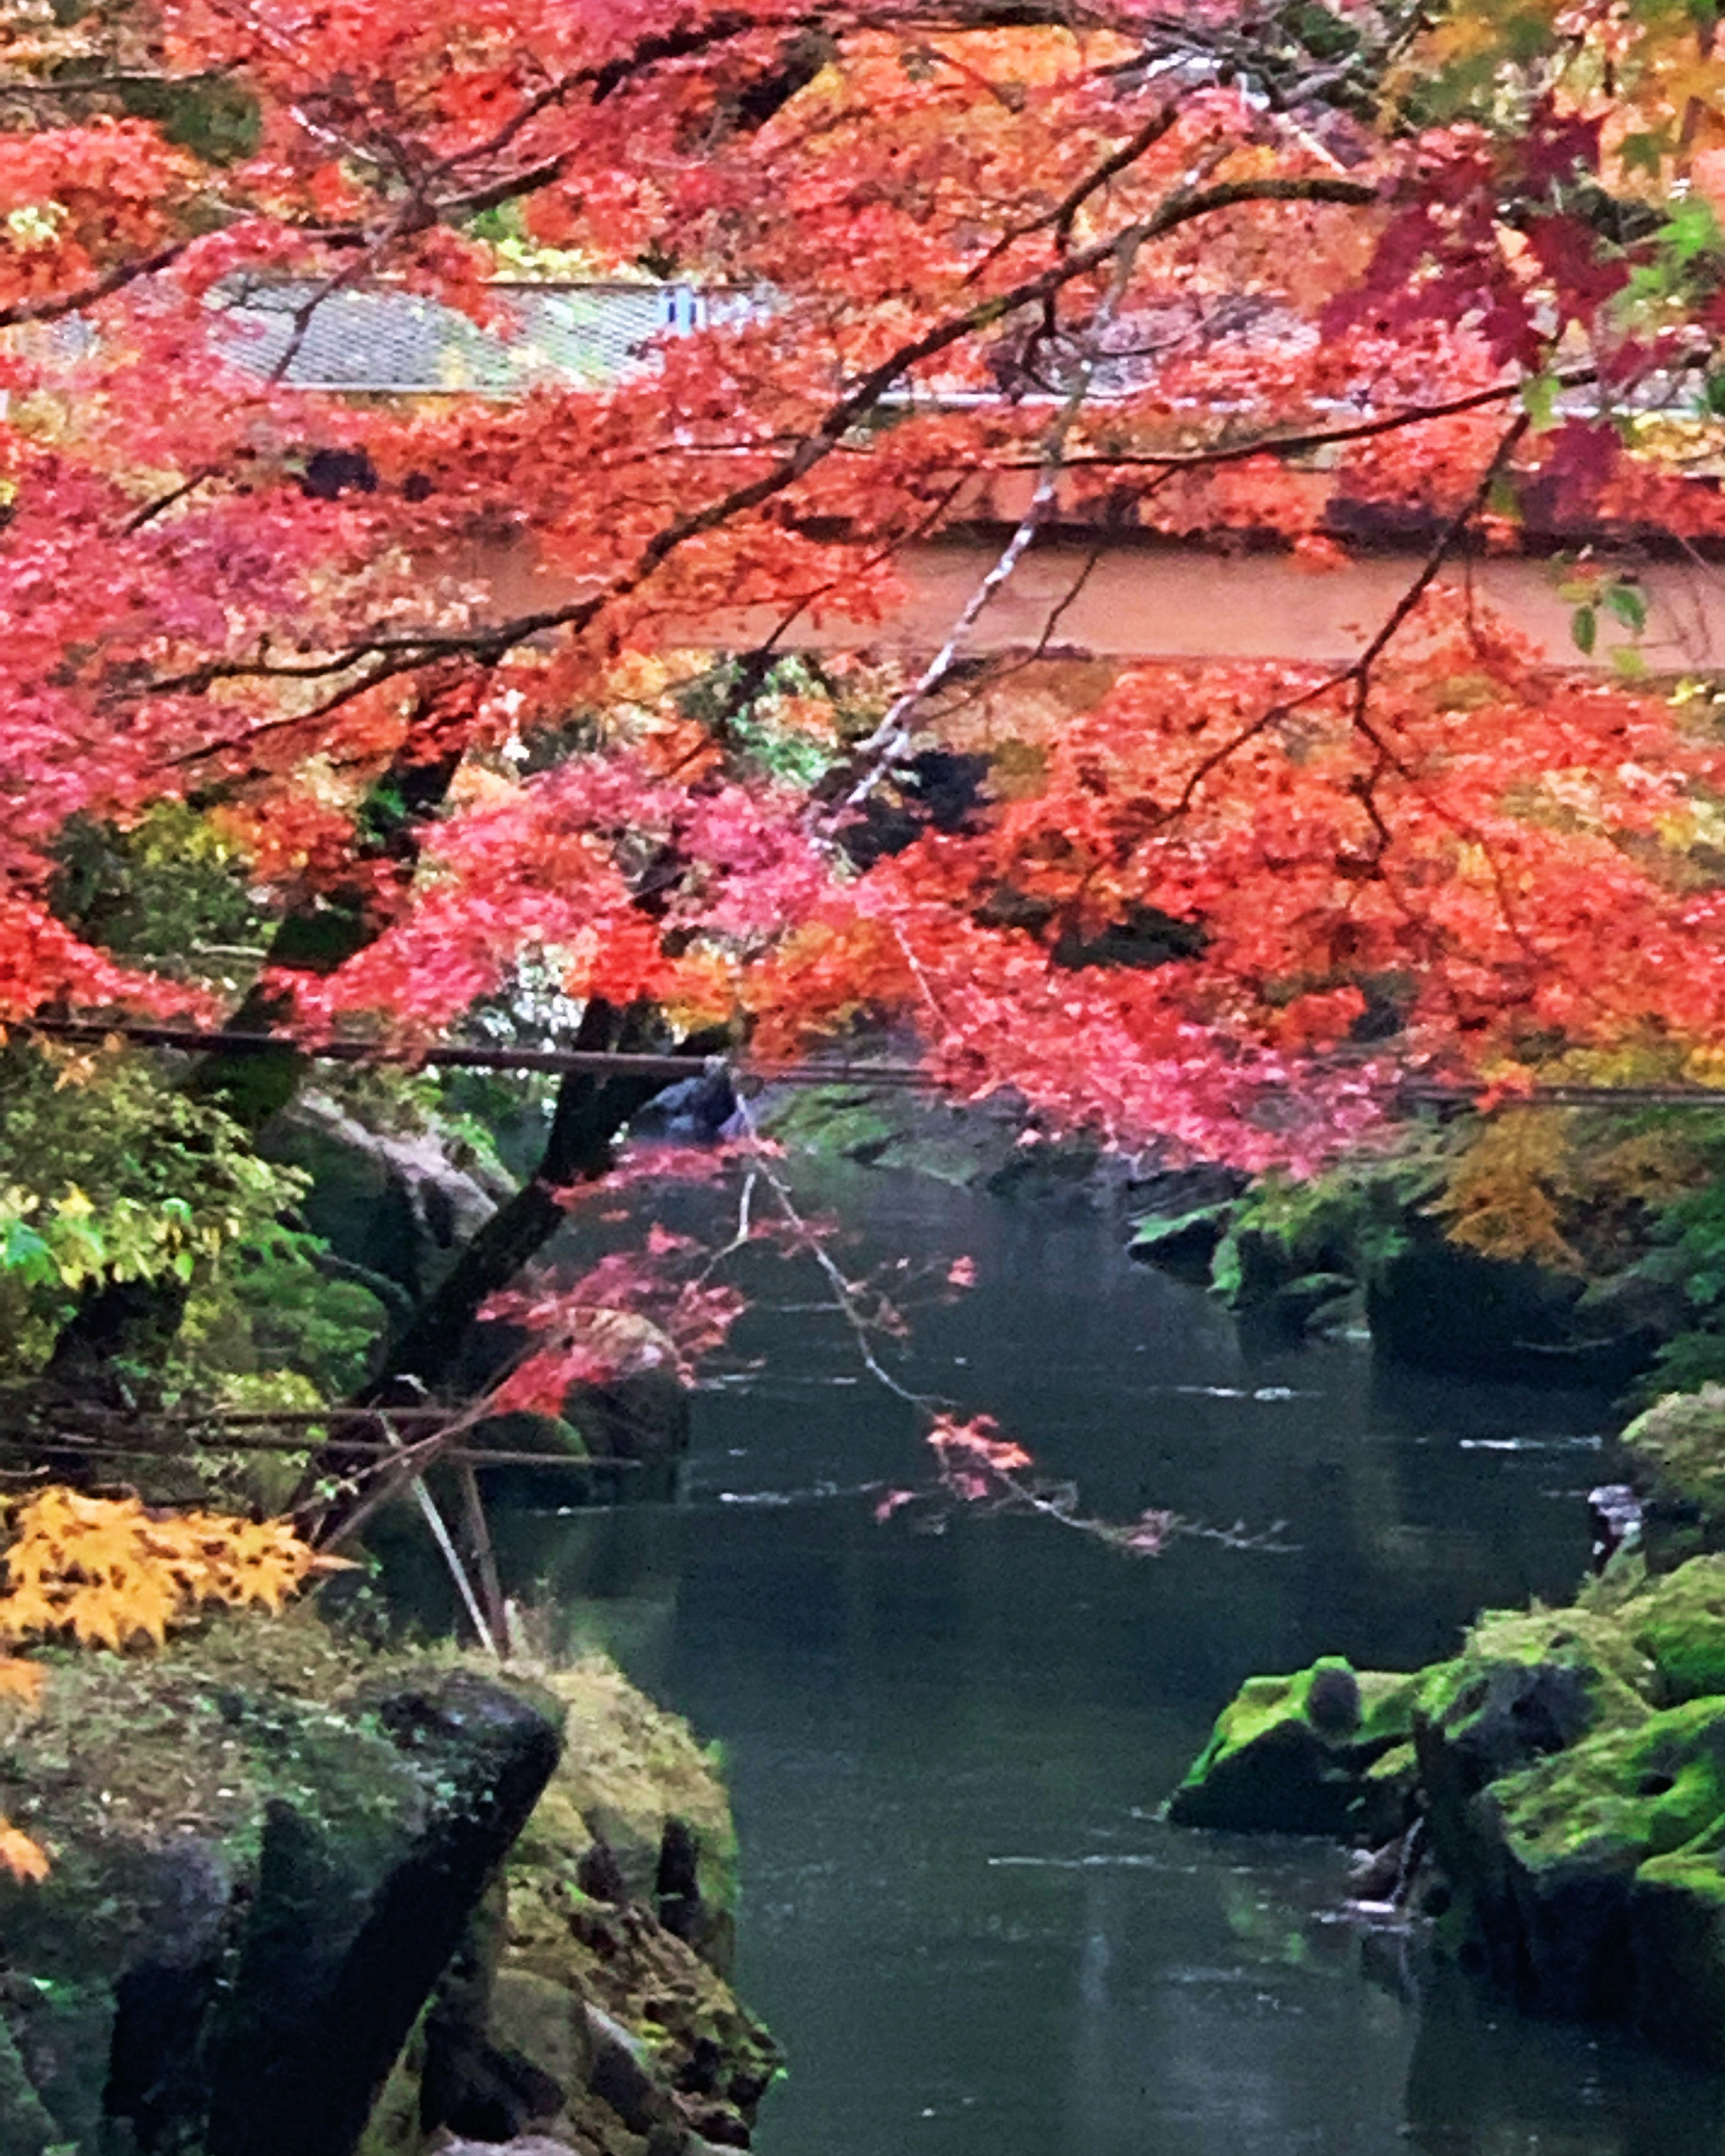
(107, 1171)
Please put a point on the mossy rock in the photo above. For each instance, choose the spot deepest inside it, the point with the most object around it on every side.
(1678, 1620)
(1613, 1676)
(1526, 1685)
(549, 1435)
(1388, 1795)
(628, 1768)
(573, 2013)
(1184, 1244)
(1288, 1754)
(887, 1127)
(1630, 1794)
(1565, 1844)
(1677, 1949)
(634, 1779)
(262, 1855)
(1675, 1457)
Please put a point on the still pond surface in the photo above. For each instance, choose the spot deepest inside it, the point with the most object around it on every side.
(961, 1915)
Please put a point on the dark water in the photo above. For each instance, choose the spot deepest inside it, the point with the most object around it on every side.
(960, 1914)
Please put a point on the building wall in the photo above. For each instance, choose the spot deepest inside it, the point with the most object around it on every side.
(1126, 600)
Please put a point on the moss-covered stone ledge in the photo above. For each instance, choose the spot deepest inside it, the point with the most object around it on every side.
(305, 1900)
(1553, 1793)
(263, 1852)
(1291, 1755)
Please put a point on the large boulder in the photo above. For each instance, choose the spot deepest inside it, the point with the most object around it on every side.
(396, 1208)
(1436, 1306)
(302, 1901)
(596, 2011)
(262, 1860)
(641, 1413)
(1600, 1888)
(1291, 1755)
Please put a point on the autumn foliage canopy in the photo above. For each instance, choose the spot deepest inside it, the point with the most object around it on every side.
(1309, 278)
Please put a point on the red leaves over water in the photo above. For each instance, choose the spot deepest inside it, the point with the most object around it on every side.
(1467, 856)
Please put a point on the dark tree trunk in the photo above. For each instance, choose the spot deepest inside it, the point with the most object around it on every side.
(591, 1113)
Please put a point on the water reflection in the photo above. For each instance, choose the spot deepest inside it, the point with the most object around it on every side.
(961, 1914)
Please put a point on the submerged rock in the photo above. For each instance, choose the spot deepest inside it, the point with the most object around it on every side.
(1290, 1755)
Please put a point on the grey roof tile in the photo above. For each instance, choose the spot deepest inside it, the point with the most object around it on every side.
(396, 342)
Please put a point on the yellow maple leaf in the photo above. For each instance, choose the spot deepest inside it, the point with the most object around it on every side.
(26, 1859)
(106, 1570)
(20, 1680)
(98, 1618)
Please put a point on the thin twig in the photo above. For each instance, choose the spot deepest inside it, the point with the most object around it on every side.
(458, 1571)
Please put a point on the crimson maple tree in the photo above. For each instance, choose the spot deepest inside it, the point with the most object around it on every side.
(1304, 276)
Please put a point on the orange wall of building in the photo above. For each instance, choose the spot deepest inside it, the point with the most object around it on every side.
(1146, 601)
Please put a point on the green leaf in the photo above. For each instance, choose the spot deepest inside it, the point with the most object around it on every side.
(1160, 1228)
(1629, 606)
(1692, 230)
(25, 1252)
(1584, 627)
(1644, 150)
(1539, 398)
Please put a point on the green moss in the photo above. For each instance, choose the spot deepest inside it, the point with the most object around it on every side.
(1678, 1619)
(1694, 1869)
(627, 1766)
(1399, 1761)
(196, 1737)
(1622, 1795)
(1287, 1754)
(849, 1122)
(1388, 1699)
(1676, 1460)
(1617, 1676)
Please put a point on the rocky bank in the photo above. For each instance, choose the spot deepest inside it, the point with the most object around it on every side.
(308, 1901)
(1551, 1800)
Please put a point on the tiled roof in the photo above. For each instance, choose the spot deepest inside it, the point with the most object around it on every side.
(399, 343)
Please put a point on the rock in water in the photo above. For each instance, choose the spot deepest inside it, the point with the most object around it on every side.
(1290, 1754)
(1568, 1769)
(1675, 1457)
